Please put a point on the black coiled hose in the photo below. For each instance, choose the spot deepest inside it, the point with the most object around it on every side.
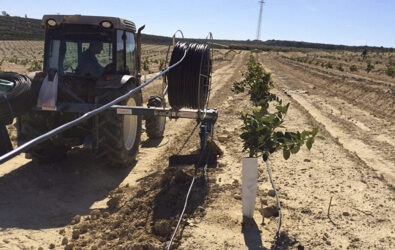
(189, 82)
(20, 99)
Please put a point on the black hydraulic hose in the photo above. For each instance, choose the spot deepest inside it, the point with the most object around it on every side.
(84, 117)
(188, 85)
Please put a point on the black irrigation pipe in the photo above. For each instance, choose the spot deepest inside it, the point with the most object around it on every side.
(82, 118)
(188, 85)
(187, 196)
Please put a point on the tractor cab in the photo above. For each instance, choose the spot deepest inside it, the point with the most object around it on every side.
(90, 46)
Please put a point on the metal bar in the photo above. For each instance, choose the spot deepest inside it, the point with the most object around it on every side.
(208, 114)
(82, 118)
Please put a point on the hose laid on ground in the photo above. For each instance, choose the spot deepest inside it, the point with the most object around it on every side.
(189, 84)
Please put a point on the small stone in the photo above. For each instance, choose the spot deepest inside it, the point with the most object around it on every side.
(6, 241)
(307, 160)
(65, 241)
(40, 248)
(222, 138)
(62, 231)
(237, 196)
(264, 202)
(94, 247)
(270, 211)
(106, 214)
(75, 220)
(346, 214)
(51, 246)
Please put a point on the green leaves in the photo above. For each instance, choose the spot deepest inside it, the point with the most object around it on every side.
(260, 127)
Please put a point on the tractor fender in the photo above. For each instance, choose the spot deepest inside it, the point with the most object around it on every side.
(113, 81)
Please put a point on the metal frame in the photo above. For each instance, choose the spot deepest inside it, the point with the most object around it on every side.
(209, 114)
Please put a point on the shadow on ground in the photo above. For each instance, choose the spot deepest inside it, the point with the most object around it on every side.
(38, 196)
(253, 240)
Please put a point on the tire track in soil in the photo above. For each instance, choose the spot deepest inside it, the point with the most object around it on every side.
(360, 132)
(58, 192)
(361, 206)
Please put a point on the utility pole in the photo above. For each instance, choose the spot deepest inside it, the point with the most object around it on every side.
(258, 31)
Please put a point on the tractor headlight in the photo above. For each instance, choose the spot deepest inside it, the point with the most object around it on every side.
(51, 22)
(106, 24)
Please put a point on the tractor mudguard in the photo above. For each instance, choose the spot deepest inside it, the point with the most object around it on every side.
(113, 81)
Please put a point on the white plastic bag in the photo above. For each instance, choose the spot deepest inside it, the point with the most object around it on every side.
(48, 94)
(249, 181)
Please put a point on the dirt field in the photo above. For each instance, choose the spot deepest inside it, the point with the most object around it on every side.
(79, 204)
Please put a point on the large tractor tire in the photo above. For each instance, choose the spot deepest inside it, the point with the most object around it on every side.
(34, 124)
(155, 125)
(5, 143)
(18, 100)
(119, 135)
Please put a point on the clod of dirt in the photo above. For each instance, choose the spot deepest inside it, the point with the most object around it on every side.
(76, 234)
(95, 214)
(106, 214)
(222, 138)
(69, 246)
(346, 214)
(145, 245)
(271, 193)
(51, 246)
(264, 202)
(75, 220)
(62, 231)
(181, 177)
(237, 196)
(83, 228)
(65, 241)
(162, 228)
(113, 203)
(40, 248)
(270, 211)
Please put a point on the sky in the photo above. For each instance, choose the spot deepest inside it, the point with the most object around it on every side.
(348, 22)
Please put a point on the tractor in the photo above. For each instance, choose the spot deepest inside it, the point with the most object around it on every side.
(89, 92)
(96, 59)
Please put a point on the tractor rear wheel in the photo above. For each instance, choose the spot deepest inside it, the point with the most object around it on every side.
(34, 124)
(119, 135)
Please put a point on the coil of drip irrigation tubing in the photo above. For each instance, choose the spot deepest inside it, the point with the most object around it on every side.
(189, 82)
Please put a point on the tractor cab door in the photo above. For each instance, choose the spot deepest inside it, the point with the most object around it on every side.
(126, 53)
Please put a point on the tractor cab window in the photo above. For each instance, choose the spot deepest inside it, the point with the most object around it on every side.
(126, 53)
(80, 54)
(130, 54)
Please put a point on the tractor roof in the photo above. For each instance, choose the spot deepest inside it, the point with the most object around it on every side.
(117, 23)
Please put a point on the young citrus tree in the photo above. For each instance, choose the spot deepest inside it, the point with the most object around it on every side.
(263, 130)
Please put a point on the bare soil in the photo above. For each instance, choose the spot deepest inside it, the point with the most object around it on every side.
(80, 204)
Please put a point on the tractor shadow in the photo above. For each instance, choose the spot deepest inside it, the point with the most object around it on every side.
(38, 196)
(153, 143)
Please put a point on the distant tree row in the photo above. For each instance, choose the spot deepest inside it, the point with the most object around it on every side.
(4, 13)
